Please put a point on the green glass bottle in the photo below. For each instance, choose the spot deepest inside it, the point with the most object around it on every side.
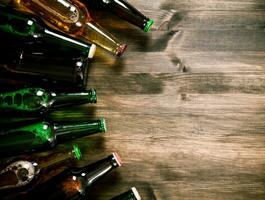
(25, 172)
(44, 135)
(40, 101)
(122, 9)
(131, 194)
(74, 81)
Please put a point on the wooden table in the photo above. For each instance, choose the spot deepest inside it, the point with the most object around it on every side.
(185, 105)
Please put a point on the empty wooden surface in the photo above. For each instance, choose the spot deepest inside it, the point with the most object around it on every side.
(185, 105)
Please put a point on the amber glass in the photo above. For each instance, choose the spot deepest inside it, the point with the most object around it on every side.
(23, 172)
(31, 47)
(73, 18)
(74, 183)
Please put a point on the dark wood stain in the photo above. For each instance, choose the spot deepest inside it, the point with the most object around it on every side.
(186, 108)
(185, 105)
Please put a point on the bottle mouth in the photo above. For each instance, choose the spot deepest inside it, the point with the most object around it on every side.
(148, 25)
(120, 50)
(93, 96)
(77, 152)
(103, 127)
(117, 158)
(136, 193)
(92, 51)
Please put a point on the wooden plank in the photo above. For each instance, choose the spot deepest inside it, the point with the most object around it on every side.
(200, 5)
(185, 105)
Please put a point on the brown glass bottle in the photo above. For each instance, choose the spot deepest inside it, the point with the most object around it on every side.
(73, 18)
(22, 172)
(74, 183)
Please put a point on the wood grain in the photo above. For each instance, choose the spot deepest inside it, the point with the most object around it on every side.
(185, 105)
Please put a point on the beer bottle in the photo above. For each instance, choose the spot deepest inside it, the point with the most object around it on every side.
(124, 10)
(24, 172)
(72, 80)
(39, 101)
(30, 34)
(131, 194)
(44, 135)
(73, 18)
(75, 183)
(28, 46)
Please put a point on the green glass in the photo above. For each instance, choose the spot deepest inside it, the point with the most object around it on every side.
(30, 32)
(44, 135)
(14, 80)
(131, 194)
(32, 48)
(38, 100)
(26, 171)
(122, 9)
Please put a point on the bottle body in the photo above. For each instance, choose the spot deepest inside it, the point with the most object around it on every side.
(44, 135)
(31, 47)
(75, 183)
(39, 101)
(68, 131)
(25, 172)
(124, 10)
(73, 18)
(27, 138)
(15, 80)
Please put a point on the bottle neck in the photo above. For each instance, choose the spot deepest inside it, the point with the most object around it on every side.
(69, 131)
(94, 33)
(26, 100)
(125, 11)
(63, 99)
(56, 158)
(68, 45)
(96, 171)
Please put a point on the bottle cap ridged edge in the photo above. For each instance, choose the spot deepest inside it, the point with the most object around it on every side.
(120, 50)
(148, 25)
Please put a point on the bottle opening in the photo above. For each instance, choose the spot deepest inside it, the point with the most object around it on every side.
(148, 25)
(93, 96)
(120, 50)
(77, 152)
(92, 51)
(103, 127)
(117, 158)
(136, 194)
